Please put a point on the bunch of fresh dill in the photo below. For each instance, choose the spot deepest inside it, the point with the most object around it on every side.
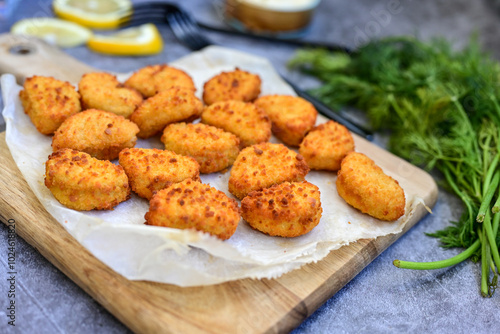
(443, 111)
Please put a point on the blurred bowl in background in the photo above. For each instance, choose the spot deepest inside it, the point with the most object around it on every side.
(281, 18)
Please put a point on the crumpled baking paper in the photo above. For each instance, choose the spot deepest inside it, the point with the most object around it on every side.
(120, 239)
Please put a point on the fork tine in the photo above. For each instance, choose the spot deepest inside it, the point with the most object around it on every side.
(138, 20)
(186, 30)
(149, 12)
(193, 31)
(179, 31)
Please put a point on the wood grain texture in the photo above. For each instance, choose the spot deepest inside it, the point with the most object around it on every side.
(243, 306)
(25, 56)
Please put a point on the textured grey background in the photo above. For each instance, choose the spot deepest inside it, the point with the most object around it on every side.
(382, 298)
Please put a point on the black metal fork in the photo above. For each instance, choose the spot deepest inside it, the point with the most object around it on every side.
(188, 32)
(183, 26)
(156, 12)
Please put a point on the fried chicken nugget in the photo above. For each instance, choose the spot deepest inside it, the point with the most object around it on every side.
(153, 79)
(193, 205)
(150, 170)
(364, 185)
(81, 182)
(213, 148)
(288, 209)
(291, 116)
(103, 91)
(48, 102)
(170, 106)
(235, 85)
(326, 145)
(244, 119)
(264, 165)
(99, 133)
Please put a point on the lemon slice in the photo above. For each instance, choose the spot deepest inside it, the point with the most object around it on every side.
(136, 41)
(99, 14)
(55, 31)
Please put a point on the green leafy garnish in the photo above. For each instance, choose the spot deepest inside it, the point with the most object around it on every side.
(442, 109)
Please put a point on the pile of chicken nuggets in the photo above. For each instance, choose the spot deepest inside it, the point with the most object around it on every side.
(227, 130)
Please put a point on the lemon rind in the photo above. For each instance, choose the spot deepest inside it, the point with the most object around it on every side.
(149, 43)
(81, 34)
(90, 20)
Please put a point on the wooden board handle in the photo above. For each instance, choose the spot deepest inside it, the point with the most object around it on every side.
(25, 56)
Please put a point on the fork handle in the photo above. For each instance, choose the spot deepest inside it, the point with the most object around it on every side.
(325, 110)
(293, 42)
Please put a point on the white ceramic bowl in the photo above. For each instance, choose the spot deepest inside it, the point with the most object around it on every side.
(274, 17)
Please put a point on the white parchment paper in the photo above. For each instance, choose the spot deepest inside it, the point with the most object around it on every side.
(120, 239)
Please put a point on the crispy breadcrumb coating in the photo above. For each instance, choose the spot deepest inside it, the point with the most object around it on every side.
(81, 182)
(170, 106)
(193, 205)
(103, 91)
(264, 165)
(150, 170)
(213, 148)
(326, 145)
(48, 102)
(364, 185)
(153, 79)
(288, 209)
(101, 134)
(291, 116)
(235, 85)
(247, 121)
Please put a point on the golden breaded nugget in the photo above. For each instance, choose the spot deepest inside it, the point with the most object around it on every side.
(99, 133)
(363, 185)
(326, 145)
(264, 165)
(250, 123)
(292, 116)
(284, 210)
(150, 170)
(193, 205)
(170, 106)
(153, 79)
(103, 91)
(235, 85)
(213, 148)
(81, 182)
(48, 102)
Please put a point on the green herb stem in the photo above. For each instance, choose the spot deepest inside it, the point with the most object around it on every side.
(484, 266)
(439, 264)
(496, 206)
(467, 124)
(489, 173)
(491, 239)
(485, 204)
(459, 193)
(496, 221)
(495, 103)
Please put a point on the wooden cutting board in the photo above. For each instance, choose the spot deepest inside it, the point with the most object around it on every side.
(248, 306)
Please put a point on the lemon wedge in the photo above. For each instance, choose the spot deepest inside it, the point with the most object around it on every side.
(55, 31)
(136, 41)
(98, 14)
